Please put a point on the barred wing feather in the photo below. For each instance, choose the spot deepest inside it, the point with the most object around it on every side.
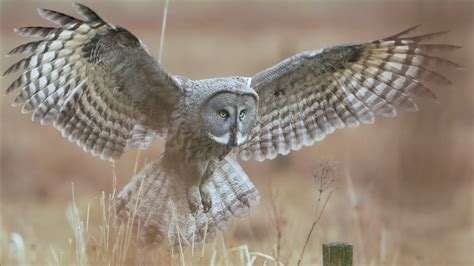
(94, 82)
(308, 96)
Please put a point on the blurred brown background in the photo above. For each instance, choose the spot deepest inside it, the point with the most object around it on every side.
(413, 175)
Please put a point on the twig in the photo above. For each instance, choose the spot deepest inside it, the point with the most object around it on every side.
(323, 176)
(312, 228)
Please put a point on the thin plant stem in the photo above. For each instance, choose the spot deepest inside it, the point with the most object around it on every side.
(308, 237)
(163, 30)
(323, 177)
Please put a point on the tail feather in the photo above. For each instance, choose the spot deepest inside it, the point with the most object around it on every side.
(235, 193)
(157, 201)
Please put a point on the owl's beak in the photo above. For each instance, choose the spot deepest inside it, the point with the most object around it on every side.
(233, 139)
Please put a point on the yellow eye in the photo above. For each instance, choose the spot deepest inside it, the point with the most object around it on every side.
(223, 113)
(242, 114)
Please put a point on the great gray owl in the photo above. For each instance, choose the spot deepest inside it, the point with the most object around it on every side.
(98, 85)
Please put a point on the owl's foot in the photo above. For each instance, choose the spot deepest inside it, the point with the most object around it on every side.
(194, 199)
(205, 198)
(197, 196)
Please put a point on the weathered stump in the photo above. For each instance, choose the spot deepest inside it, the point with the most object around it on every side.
(337, 253)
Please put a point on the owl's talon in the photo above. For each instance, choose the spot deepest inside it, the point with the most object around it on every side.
(207, 206)
(194, 199)
(206, 200)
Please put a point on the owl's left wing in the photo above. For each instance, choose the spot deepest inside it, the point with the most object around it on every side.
(308, 96)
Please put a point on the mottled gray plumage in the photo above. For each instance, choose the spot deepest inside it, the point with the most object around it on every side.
(98, 85)
(95, 82)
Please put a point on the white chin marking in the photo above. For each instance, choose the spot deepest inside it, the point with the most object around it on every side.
(224, 139)
(240, 139)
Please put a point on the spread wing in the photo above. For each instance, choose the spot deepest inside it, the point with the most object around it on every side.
(308, 96)
(94, 82)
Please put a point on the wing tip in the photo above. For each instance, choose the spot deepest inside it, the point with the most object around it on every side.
(412, 28)
(8, 71)
(86, 12)
(404, 32)
(12, 51)
(78, 7)
(42, 12)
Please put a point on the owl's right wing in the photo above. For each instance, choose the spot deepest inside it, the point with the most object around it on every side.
(94, 82)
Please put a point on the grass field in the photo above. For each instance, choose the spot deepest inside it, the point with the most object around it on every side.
(403, 189)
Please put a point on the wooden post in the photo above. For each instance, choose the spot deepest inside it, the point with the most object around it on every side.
(337, 253)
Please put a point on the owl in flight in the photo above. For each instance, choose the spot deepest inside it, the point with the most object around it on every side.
(97, 84)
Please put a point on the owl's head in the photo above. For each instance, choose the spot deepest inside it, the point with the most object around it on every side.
(228, 117)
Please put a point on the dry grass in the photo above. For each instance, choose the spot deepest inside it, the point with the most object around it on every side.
(107, 243)
(91, 238)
